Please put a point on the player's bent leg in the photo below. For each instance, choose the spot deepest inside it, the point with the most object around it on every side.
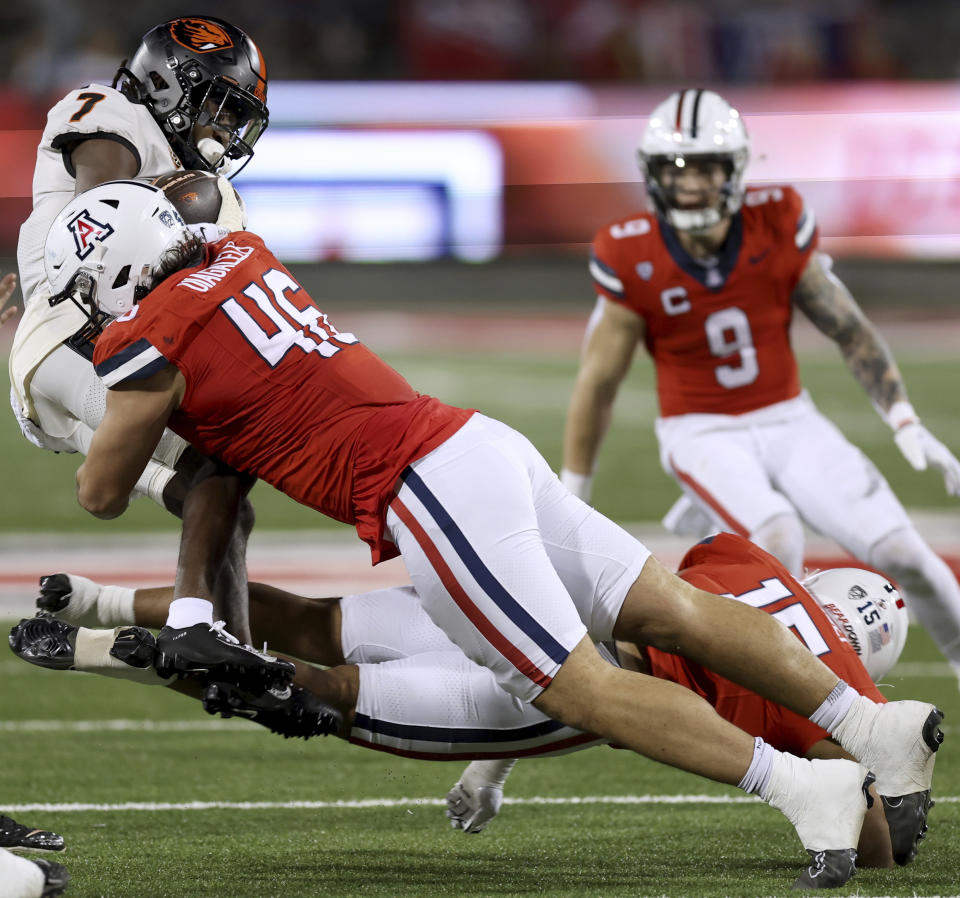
(782, 537)
(737, 641)
(928, 584)
(824, 800)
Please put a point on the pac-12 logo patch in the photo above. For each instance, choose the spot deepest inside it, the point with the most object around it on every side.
(87, 232)
(200, 35)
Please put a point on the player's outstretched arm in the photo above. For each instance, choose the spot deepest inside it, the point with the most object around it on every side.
(826, 301)
(611, 338)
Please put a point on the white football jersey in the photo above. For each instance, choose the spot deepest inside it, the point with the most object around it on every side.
(92, 111)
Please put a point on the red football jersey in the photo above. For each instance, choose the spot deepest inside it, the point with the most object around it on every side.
(728, 564)
(718, 335)
(274, 389)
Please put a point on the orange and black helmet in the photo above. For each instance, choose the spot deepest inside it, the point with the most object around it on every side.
(199, 70)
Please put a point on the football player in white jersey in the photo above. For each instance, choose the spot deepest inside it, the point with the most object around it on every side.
(708, 281)
(192, 97)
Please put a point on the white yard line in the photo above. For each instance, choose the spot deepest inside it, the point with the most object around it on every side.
(364, 803)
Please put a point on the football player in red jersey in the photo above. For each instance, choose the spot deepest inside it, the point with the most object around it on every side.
(221, 342)
(400, 685)
(708, 281)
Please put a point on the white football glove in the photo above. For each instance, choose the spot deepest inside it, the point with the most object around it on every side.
(472, 809)
(31, 430)
(233, 212)
(921, 448)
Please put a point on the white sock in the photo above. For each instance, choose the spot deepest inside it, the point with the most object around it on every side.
(854, 731)
(115, 606)
(835, 706)
(757, 777)
(779, 789)
(94, 605)
(91, 653)
(487, 773)
(21, 878)
(188, 611)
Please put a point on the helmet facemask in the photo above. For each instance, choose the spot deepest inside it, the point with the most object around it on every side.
(662, 171)
(694, 127)
(220, 89)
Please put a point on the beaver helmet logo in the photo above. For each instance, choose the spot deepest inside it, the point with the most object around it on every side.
(200, 35)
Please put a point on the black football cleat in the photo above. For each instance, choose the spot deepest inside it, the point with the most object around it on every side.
(44, 641)
(50, 642)
(55, 592)
(23, 838)
(211, 652)
(55, 877)
(291, 712)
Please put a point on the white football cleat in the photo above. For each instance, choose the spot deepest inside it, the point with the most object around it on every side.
(901, 749)
(826, 802)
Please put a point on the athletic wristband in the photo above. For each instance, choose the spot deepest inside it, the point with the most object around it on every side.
(899, 415)
(578, 484)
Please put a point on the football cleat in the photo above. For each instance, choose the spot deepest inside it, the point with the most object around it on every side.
(904, 740)
(55, 593)
(45, 641)
(216, 655)
(23, 838)
(55, 877)
(907, 821)
(52, 643)
(290, 711)
(828, 869)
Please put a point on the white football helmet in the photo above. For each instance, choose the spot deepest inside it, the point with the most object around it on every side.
(102, 248)
(700, 124)
(867, 610)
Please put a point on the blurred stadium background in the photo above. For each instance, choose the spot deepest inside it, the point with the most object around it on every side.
(434, 171)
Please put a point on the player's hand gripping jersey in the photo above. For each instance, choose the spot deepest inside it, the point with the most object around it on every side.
(273, 389)
(728, 564)
(718, 334)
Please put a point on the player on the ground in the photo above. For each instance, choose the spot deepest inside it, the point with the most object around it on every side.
(412, 692)
(708, 282)
(230, 350)
(193, 96)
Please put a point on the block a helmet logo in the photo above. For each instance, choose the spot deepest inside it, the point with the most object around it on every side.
(87, 232)
(200, 35)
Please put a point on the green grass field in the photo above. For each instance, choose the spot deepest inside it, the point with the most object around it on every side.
(118, 769)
